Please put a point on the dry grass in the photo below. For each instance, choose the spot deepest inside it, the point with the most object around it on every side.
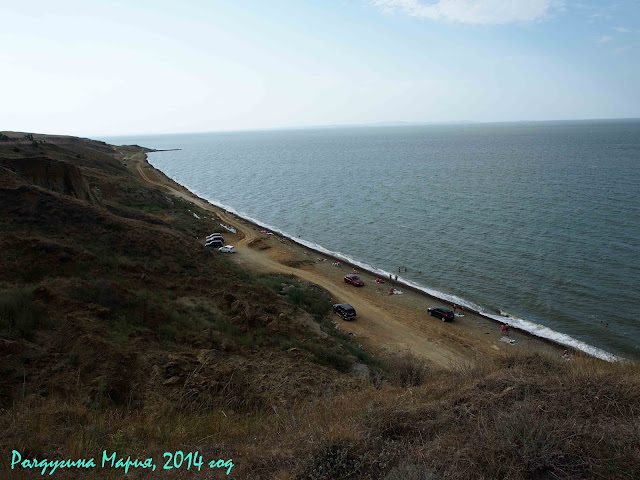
(408, 370)
(512, 421)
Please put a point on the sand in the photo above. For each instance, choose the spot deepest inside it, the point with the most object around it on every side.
(386, 324)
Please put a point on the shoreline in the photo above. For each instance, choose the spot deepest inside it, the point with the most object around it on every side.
(514, 322)
(534, 332)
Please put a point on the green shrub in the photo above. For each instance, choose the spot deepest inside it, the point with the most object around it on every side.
(274, 282)
(114, 226)
(325, 356)
(349, 344)
(332, 359)
(20, 316)
(167, 332)
(123, 327)
(295, 296)
(311, 298)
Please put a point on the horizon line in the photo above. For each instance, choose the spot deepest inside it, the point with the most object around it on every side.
(398, 123)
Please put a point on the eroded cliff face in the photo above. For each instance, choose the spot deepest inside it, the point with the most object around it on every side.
(57, 175)
(9, 179)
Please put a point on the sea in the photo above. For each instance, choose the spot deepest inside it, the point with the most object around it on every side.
(532, 223)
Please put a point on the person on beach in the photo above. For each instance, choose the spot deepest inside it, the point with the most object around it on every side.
(390, 278)
(505, 329)
(396, 278)
(455, 308)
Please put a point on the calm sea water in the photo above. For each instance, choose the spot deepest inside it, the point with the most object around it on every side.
(538, 221)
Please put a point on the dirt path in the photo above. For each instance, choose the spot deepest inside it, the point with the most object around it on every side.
(151, 175)
(386, 323)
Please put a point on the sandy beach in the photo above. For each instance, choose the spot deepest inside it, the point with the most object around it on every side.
(386, 324)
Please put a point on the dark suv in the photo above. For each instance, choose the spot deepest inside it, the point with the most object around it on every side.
(346, 311)
(214, 242)
(444, 313)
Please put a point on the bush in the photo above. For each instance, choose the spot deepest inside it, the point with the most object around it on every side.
(309, 297)
(349, 344)
(275, 282)
(167, 332)
(408, 370)
(410, 471)
(20, 316)
(325, 356)
(331, 359)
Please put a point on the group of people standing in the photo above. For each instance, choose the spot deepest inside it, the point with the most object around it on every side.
(505, 329)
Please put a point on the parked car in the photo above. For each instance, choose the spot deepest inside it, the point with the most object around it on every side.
(216, 242)
(227, 249)
(353, 280)
(215, 235)
(344, 310)
(444, 313)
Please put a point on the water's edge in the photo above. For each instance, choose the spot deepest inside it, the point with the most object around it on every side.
(527, 326)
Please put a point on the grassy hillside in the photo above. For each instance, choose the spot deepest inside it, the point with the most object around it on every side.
(119, 330)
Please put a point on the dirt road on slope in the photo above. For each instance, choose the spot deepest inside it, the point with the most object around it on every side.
(385, 323)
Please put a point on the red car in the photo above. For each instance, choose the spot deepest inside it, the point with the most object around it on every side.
(353, 280)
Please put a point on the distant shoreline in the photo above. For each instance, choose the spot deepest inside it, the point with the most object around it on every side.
(398, 124)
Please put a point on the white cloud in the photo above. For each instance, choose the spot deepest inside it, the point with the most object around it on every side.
(621, 29)
(605, 39)
(622, 49)
(483, 12)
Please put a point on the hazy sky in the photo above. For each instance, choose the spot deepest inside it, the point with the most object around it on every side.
(134, 66)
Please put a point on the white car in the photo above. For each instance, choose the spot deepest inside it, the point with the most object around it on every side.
(227, 249)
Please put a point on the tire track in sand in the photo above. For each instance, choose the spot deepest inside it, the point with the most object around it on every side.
(383, 327)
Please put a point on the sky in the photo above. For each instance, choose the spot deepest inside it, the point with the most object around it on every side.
(128, 67)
